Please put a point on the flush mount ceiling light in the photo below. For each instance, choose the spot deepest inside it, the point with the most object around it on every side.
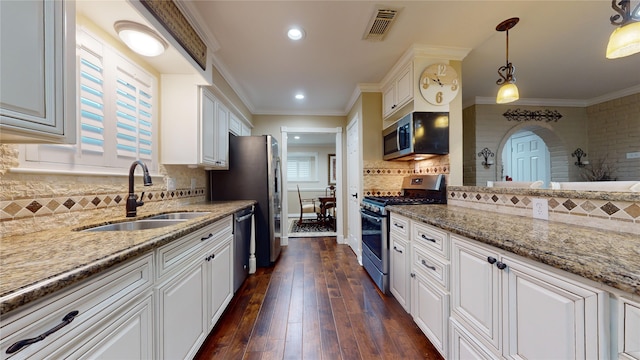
(140, 38)
(295, 33)
(299, 96)
(508, 91)
(625, 40)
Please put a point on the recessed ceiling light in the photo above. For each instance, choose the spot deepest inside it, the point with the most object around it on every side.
(299, 96)
(140, 38)
(297, 137)
(295, 33)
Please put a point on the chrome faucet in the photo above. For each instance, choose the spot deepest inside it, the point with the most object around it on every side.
(132, 202)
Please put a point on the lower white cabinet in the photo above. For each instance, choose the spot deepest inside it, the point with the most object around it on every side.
(629, 329)
(463, 346)
(100, 312)
(220, 279)
(430, 310)
(159, 306)
(519, 310)
(400, 284)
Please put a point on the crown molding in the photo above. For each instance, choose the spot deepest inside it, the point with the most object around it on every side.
(614, 95)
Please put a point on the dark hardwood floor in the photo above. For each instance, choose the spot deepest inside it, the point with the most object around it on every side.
(317, 302)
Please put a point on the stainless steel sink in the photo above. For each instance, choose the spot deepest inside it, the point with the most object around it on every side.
(143, 224)
(180, 215)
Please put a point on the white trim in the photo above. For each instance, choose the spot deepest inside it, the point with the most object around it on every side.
(360, 88)
(614, 95)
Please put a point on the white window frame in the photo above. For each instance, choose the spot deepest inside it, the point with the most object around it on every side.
(312, 157)
(45, 158)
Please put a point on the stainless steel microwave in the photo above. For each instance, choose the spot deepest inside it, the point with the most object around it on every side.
(417, 133)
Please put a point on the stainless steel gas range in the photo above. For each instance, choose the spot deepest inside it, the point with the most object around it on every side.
(416, 189)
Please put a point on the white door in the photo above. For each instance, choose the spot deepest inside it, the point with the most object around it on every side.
(353, 187)
(529, 158)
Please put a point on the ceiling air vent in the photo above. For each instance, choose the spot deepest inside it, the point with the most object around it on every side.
(380, 23)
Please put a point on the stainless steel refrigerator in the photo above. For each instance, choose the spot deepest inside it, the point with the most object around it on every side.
(254, 174)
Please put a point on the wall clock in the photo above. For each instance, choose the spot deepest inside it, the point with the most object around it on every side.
(439, 84)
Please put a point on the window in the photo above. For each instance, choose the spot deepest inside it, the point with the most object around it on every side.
(116, 115)
(302, 167)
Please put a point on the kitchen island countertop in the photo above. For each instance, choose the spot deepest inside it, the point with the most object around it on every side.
(604, 256)
(37, 264)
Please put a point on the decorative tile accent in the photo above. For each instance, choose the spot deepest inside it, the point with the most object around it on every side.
(117, 199)
(588, 206)
(553, 203)
(609, 208)
(514, 200)
(526, 201)
(633, 211)
(569, 205)
(69, 203)
(95, 201)
(34, 206)
(495, 198)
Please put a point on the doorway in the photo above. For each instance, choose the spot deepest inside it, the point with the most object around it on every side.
(315, 156)
(526, 158)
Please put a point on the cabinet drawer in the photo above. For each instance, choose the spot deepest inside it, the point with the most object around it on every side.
(436, 241)
(178, 254)
(93, 299)
(434, 268)
(399, 225)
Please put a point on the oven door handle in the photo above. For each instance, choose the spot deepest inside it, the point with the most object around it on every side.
(372, 218)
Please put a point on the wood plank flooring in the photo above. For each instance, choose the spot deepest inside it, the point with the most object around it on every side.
(317, 302)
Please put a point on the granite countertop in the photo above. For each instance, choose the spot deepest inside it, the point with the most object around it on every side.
(38, 264)
(605, 256)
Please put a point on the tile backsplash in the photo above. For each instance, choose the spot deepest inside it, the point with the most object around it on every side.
(385, 177)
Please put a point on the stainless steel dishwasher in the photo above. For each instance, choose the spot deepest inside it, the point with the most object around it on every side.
(241, 239)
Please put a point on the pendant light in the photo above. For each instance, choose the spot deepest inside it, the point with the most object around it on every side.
(508, 92)
(625, 39)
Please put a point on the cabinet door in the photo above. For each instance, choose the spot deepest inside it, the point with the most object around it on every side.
(404, 86)
(182, 314)
(629, 333)
(37, 73)
(475, 289)
(547, 317)
(400, 264)
(222, 136)
(388, 100)
(430, 310)
(127, 336)
(464, 346)
(207, 127)
(220, 284)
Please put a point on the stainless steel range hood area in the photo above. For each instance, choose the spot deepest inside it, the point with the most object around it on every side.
(417, 134)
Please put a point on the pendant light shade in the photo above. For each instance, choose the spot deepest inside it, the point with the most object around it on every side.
(140, 38)
(507, 93)
(624, 41)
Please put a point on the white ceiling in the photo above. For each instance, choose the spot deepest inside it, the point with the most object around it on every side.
(557, 48)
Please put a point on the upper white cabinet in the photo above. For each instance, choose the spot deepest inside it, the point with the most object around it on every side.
(398, 92)
(194, 124)
(37, 63)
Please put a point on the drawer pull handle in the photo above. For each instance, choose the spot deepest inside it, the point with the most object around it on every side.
(398, 225)
(427, 265)
(22, 343)
(211, 257)
(398, 250)
(428, 239)
(206, 237)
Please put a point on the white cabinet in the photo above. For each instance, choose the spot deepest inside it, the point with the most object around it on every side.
(195, 286)
(520, 310)
(398, 92)
(220, 279)
(430, 285)
(182, 314)
(102, 312)
(400, 258)
(37, 63)
(629, 329)
(194, 124)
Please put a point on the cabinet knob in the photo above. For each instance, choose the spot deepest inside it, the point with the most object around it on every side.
(501, 265)
(413, 275)
(491, 260)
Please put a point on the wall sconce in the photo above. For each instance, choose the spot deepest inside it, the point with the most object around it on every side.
(140, 38)
(508, 92)
(486, 154)
(579, 154)
(625, 39)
